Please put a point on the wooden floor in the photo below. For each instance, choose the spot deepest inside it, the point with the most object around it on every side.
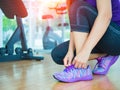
(37, 75)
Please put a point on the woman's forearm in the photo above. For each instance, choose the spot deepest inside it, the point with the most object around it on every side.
(99, 28)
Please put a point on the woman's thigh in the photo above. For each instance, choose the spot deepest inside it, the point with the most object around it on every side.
(110, 42)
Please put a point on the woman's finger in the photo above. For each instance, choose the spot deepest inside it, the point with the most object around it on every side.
(84, 65)
(73, 62)
(65, 62)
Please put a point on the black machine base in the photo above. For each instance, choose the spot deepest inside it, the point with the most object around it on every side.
(18, 55)
(19, 58)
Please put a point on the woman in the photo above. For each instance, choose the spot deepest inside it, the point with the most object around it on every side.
(95, 35)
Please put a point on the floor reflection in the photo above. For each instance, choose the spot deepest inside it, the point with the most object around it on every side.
(98, 83)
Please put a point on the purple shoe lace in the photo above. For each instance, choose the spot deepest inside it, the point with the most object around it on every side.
(71, 74)
(67, 69)
(104, 63)
(101, 62)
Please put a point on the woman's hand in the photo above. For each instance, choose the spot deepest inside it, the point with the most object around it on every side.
(81, 59)
(68, 59)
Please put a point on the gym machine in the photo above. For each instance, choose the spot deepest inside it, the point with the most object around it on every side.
(51, 39)
(16, 9)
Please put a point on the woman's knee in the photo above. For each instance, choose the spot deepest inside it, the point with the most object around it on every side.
(55, 56)
(59, 52)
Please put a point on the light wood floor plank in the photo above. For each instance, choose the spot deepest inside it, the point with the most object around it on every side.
(37, 75)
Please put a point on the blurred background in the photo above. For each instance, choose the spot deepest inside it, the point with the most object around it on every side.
(46, 26)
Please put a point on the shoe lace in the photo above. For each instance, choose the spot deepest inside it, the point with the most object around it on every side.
(100, 62)
(69, 68)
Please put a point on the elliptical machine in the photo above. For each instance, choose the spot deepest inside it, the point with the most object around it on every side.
(51, 39)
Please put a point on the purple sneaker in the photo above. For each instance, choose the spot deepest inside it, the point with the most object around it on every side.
(71, 74)
(104, 64)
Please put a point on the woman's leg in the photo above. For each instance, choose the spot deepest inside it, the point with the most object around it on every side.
(110, 42)
(59, 52)
(82, 17)
(107, 45)
(81, 20)
(79, 40)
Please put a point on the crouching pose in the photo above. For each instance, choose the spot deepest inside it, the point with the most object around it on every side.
(94, 35)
